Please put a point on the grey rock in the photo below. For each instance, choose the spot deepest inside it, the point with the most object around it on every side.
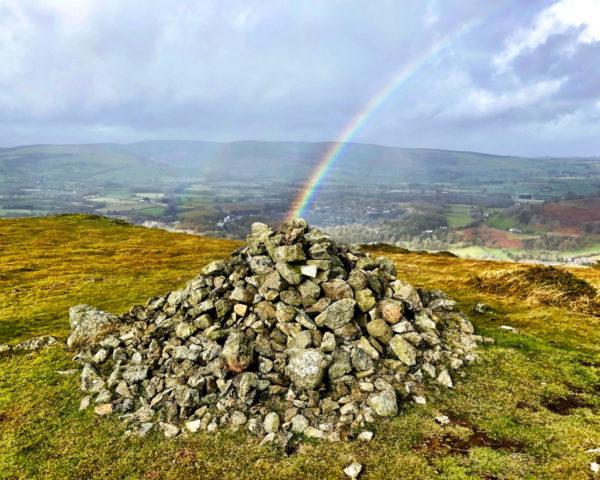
(89, 325)
(340, 364)
(214, 268)
(299, 424)
(135, 373)
(384, 403)
(242, 295)
(91, 381)
(289, 253)
(271, 423)
(238, 352)
(337, 314)
(291, 273)
(307, 369)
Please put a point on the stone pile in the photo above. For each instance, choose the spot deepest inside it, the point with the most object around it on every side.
(294, 334)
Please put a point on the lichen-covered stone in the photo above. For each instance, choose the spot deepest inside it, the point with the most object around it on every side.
(337, 314)
(307, 369)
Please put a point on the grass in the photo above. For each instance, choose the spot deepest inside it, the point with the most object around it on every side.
(502, 223)
(527, 410)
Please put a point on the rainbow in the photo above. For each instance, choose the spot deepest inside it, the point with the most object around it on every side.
(335, 150)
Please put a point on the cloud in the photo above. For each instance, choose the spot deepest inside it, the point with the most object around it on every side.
(480, 102)
(565, 15)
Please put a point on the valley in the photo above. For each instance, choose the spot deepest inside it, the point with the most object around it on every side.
(475, 205)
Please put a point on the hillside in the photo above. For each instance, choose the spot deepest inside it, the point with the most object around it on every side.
(528, 409)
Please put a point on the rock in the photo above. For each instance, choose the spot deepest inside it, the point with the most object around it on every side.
(442, 419)
(238, 419)
(185, 330)
(406, 293)
(365, 300)
(337, 314)
(291, 253)
(85, 402)
(340, 364)
(328, 344)
(367, 263)
(193, 426)
(594, 467)
(445, 379)
(379, 329)
(271, 423)
(104, 409)
(419, 400)
(186, 396)
(5, 350)
(480, 308)
(309, 270)
(384, 403)
(390, 310)
(216, 267)
(361, 360)
(291, 273)
(299, 424)
(357, 280)
(353, 470)
(313, 432)
(365, 436)
(91, 381)
(424, 322)
(238, 352)
(242, 295)
(169, 429)
(307, 368)
(135, 373)
(309, 290)
(291, 297)
(403, 350)
(104, 396)
(34, 344)
(261, 264)
(337, 289)
(89, 325)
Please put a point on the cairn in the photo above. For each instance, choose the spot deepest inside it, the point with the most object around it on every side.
(294, 334)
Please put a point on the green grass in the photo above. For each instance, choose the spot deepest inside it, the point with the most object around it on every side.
(153, 211)
(501, 223)
(508, 397)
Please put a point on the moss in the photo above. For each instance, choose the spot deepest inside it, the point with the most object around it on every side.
(542, 284)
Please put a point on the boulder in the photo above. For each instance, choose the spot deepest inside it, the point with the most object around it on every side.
(89, 325)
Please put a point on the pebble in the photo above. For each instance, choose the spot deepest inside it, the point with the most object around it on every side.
(442, 419)
(353, 470)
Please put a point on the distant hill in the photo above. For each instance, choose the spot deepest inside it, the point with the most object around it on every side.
(166, 161)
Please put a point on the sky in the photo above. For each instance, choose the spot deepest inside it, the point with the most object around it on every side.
(517, 77)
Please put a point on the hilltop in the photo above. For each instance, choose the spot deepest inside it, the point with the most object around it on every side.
(528, 409)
